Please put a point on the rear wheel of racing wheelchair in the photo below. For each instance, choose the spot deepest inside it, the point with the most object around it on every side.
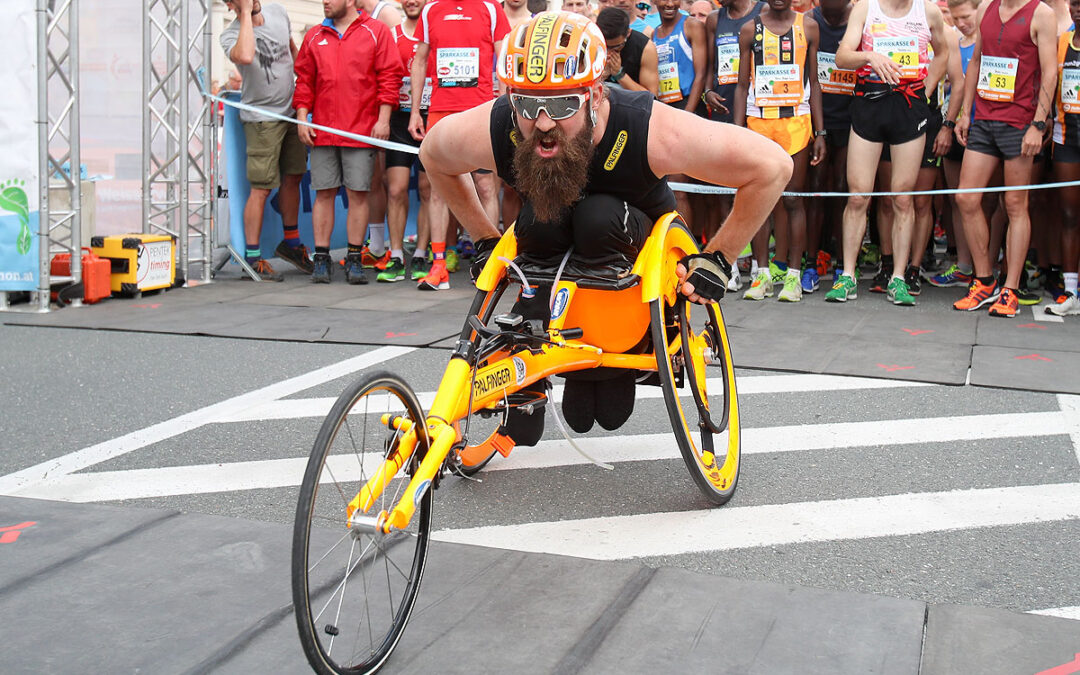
(697, 376)
(354, 588)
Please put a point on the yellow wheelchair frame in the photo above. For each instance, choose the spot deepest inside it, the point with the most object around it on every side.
(654, 333)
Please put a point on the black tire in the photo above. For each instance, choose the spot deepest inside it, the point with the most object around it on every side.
(370, 613)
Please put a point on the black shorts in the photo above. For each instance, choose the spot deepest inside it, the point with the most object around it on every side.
(997, 139)
(837, 138)
(956, 151)
(601, 229)
(929, 159)
(399, 133)
(1066, 154)
(893, 119)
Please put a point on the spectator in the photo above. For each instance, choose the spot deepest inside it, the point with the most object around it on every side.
(631, 57)
(581, 7)
(348, 73)
(464, 38)
(700, 10)
(259, 42)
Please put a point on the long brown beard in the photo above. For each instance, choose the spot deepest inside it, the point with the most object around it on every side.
(552, 185)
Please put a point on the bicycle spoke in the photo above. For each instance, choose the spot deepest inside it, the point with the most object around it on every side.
(331, 550)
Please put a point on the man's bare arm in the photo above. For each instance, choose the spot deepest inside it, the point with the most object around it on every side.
(722, 154)
(450, 151)
(243, 52)
(650, 69)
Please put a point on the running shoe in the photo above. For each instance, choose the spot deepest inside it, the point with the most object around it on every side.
(811, 281)
(822, 264)
(320, 269)
(792, 291)
(843, 290)
(1006, 305)
(297, 256)
(1036, 276)
(869, 255)
(436, 280)
(777, 273)
(978, 295)
(761, 287)
(453, 261)
(1026, 297)
(880, 283)
(354, 270)
(1055, 284)
(395, 271)
(950, 277)
(1068, 305)
(913, 279)
(264, 271)
(419, 267)
(899, 294)
(939, 234)
(371, 261)
(466, 249)
(735, 282)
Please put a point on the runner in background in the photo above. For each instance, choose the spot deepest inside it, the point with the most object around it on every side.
(721, 75)
(1013, 72)
(681, 58)
(700, 10)
(375, 254)
(959, 273)
(461, 40)
(399, 163)
(1067, 161)
(779, 97)
(837, 88)
(887, 42)
(631, 57)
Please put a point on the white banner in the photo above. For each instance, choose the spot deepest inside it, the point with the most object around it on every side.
(19, 196)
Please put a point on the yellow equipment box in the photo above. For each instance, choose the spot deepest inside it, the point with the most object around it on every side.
(140, 262)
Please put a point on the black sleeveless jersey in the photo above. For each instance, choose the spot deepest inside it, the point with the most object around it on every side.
(631, 53)
(620, 163)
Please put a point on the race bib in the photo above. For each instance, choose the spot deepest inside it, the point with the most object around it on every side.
(776, 86)
(904, 51)
(727, 61)
(405, 94)
(1070, 90)
(997, 78)
(669, 83)
(458, 67)
(832, 79)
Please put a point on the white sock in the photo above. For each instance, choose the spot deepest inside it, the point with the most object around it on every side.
(376, 238)
(794, 272)
(1071, 281)
(397, 253)
(753, 267)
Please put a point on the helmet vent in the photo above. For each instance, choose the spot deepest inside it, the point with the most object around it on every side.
(565, 36)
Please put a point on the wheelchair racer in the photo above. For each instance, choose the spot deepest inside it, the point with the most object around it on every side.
(590, 163)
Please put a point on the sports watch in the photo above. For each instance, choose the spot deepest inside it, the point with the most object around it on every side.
(1040, 125)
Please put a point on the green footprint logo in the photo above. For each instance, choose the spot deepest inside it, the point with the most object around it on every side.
(13, 198)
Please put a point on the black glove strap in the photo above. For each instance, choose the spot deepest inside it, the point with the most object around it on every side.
(709, 273)
(483, 247)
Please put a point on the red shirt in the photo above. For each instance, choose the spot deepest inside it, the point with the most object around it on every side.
(343, 79)
(407, 45)
(462, 37)
(1011, 41)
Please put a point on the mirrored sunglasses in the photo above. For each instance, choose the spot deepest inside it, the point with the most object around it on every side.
(556, 107)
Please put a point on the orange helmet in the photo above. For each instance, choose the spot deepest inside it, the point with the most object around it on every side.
(554, 50)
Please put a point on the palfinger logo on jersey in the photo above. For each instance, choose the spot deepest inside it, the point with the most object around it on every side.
(539, 42)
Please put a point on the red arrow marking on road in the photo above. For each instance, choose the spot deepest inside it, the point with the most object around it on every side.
(894, 367)
(914, 331)
(153, 306)
(397, 335)
(1031, 325)
(12, 532)
(1032, 357)
(1064, 669)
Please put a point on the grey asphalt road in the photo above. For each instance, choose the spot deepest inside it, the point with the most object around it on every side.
(63, 390)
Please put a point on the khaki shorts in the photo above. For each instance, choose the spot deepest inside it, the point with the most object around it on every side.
(333, 166)
(273, 149)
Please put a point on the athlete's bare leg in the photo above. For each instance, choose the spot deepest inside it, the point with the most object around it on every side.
(906, 159)
(924, 214)
(1070, 221)
(862, 161)
(975, 172)
(1017, 172)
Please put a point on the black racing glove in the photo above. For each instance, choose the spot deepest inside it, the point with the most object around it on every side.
(483, 247)
(709, 273)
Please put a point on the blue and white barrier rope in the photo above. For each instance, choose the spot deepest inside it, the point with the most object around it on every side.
(681, 187)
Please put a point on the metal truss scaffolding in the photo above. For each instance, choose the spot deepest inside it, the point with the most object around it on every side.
(177, 136)
(58, 141)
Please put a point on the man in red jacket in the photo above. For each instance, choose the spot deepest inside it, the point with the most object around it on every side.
(347, 75)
